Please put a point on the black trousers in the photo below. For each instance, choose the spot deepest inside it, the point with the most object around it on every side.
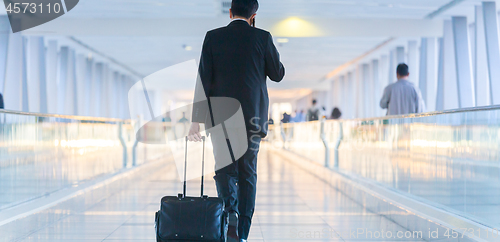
(237, 184)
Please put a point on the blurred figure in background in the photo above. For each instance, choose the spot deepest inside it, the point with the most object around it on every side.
(1, 102)
(167, 118)
(402, 97)
(181, 127)
(183, 119)
(324, 113)
(313, 112)
(302, 116)
(286, 118)
(336, 114)
(299, 117)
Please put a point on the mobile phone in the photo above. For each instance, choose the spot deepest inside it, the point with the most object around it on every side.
(253, 22)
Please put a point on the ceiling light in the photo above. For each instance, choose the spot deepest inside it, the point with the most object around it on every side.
(282, 40)
(296, 27)
(187, 47)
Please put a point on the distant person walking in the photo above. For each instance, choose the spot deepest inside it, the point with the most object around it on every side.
(313, 112)
(402, 97)
(1, 102)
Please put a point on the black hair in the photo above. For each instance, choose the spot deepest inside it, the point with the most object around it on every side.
(314, 101)
(244, 8)
(336, 114)
(403, 70)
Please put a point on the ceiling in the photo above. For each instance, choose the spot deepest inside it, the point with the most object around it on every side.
(268, 8)
(149, 35)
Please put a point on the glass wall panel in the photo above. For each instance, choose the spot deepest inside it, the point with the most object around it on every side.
(449, 160)
(40, 155)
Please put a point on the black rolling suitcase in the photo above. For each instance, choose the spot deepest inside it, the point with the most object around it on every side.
(185, 219)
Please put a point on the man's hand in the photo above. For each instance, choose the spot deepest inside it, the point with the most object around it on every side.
(194, 132)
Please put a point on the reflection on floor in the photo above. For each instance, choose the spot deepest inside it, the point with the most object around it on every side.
(292, 205)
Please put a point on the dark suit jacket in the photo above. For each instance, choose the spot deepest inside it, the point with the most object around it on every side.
(235, 62)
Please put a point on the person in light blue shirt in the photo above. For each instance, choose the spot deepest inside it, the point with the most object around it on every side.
(299, 117)
(402, 97)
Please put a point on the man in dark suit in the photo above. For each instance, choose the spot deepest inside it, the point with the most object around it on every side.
(235, 63)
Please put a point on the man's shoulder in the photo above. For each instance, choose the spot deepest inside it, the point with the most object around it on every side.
(410, 85)
(262, 31)
(217, 30)
(391, 85)
(403, 84)
(407, 87)
(222, 31)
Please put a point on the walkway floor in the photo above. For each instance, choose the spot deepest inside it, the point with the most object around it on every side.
(292, 205)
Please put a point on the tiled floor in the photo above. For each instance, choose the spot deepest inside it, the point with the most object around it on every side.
(291, 206)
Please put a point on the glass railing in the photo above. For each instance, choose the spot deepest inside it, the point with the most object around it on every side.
(448, 159)
(42, 154)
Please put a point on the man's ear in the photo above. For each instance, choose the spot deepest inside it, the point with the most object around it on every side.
(253, 16)
(230, 14)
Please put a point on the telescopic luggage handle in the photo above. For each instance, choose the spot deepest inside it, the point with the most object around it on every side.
(202, 166)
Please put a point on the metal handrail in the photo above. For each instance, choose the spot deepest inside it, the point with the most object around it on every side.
(434, 113)
(74, 117)
(415, 115)
(325, 143)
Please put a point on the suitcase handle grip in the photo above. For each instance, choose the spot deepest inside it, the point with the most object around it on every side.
(202, 166)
